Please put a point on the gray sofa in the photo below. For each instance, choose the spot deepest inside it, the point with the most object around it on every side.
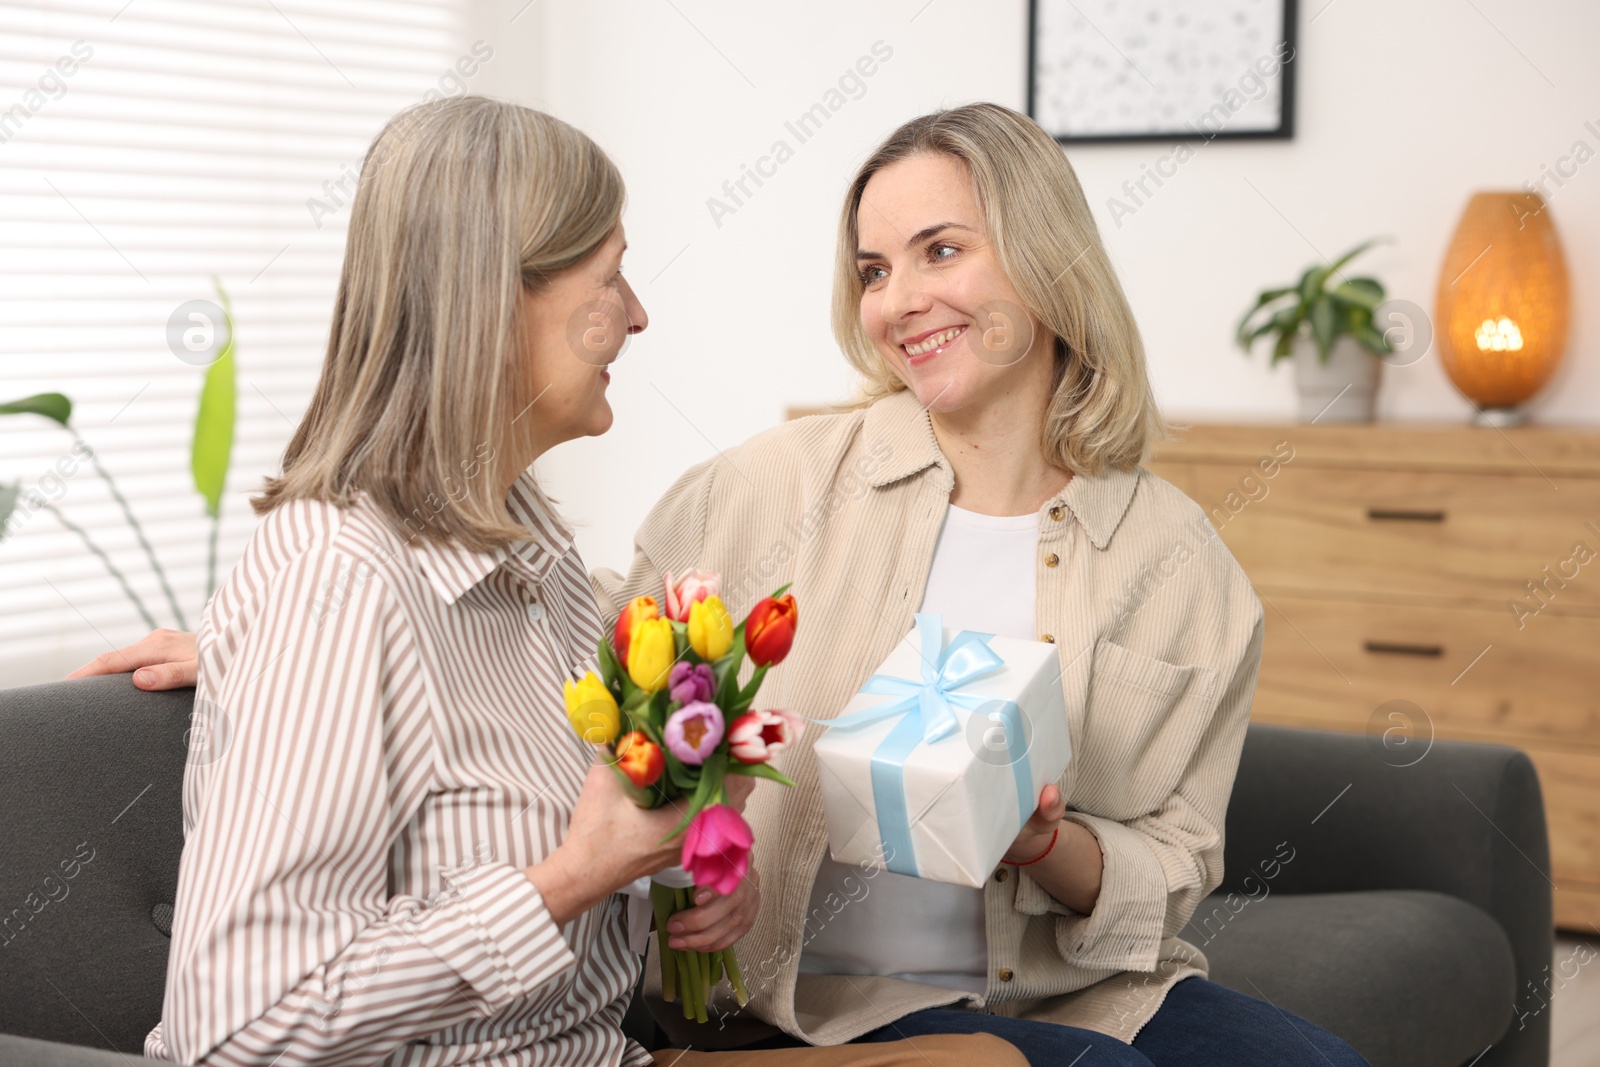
(1403, 908)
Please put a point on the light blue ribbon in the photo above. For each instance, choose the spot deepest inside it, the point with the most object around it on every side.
(926, 710)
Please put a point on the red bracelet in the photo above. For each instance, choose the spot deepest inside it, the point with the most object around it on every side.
(1041, 855)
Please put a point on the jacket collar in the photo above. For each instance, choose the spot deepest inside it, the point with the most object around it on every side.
(453, 570)
(901, 424)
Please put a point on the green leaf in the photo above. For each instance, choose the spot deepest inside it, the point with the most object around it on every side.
(659, 701)
(1285, 344)
(1373, 341)
(1362, 292)
(678, 773)
(213, 423)
(1352, 254)
(1311, 283)
(635, 698)
(711, 774)
(760, 770)
(741, 703)
(50, 405)
(1285, 323)
(1244, 334)
(1324, 325)
(727, 673)
(8, 504)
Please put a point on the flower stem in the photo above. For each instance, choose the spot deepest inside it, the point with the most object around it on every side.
(704, 961)
(735, 976)
(688, 969)
(661, 902)
(685, 985)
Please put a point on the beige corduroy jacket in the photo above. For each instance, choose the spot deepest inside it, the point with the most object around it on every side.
(1160, 639)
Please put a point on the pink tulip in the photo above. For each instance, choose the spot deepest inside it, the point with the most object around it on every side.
(688, 684)
(693, 732)
(691, 588)
(716, 848)
(757, 736)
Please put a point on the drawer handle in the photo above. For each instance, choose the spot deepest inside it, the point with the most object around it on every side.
(1396, 649)
(1404, 515)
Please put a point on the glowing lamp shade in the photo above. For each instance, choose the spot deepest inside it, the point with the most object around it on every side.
(1502, 303)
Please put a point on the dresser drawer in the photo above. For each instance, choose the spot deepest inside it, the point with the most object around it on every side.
(1472, 673)
(1412, 533)
(1572, 809)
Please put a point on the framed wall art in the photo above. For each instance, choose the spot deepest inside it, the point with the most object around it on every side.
(1143, 70)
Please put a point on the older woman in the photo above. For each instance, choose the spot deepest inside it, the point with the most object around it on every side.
(402, 854)
(991, 474)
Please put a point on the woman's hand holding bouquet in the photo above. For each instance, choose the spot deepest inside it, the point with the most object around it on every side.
(675, 723)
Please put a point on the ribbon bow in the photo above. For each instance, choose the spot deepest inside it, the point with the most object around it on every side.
(926, 710)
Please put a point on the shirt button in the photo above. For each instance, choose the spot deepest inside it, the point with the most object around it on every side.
(1005, 974)
(1056, 512)
(535, 612)
(1001, 875)
(1050, 638)
(1051, 560)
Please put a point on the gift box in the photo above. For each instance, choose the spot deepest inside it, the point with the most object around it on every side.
(936, 763)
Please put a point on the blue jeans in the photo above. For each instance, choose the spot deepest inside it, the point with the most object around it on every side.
(1200, 1024)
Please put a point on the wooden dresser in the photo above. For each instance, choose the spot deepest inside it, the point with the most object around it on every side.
(1424, 581)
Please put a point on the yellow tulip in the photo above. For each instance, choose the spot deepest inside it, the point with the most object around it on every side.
(710, 629)
(651, 652)
(592, 710)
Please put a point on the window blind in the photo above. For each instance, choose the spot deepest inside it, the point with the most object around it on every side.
(147, 147)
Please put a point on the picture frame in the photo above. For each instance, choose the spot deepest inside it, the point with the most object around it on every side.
(1123, 71)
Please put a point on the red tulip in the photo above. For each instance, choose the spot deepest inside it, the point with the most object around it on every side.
(716, 848)
(640, 759)
(757, 736)
(769, 631)
(639, 609)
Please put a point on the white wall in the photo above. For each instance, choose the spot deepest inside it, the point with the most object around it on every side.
(1404, 109)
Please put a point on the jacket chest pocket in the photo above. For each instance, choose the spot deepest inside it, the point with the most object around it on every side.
(1142, 719)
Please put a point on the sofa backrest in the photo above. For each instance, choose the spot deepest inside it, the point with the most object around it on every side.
(91, 776)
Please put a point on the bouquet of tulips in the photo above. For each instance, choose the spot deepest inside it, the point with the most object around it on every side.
(669, 709)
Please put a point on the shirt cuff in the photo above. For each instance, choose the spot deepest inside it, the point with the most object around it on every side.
(1125, 930)
(493, 928)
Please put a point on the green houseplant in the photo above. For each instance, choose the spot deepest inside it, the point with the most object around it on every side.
(1325, 322)
(211, 454)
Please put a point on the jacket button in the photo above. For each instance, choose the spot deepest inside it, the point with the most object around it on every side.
(1051, 560)
(1004, 974)
(1048, 637)
(1001, 875)
(1056, 512)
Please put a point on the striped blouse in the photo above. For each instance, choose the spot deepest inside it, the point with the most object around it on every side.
(386, 750)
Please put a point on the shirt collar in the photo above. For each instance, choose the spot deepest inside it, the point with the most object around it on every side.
(900, 423)
(452, 570)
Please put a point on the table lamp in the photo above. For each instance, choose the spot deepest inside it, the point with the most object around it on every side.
(1502, 307)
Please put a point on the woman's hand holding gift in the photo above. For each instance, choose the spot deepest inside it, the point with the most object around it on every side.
(1039, 832)
(1063, 857)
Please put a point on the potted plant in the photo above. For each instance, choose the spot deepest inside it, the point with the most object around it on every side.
(1325, 322)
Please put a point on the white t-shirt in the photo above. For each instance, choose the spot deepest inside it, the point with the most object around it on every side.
(881, 923)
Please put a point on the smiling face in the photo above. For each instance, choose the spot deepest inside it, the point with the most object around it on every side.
(577, 324)
(937, 304)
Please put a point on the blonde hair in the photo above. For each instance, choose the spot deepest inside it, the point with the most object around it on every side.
(1102, 412)
(464, 205)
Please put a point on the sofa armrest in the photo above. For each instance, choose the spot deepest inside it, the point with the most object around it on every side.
(28, 1052)
(1450, 816)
